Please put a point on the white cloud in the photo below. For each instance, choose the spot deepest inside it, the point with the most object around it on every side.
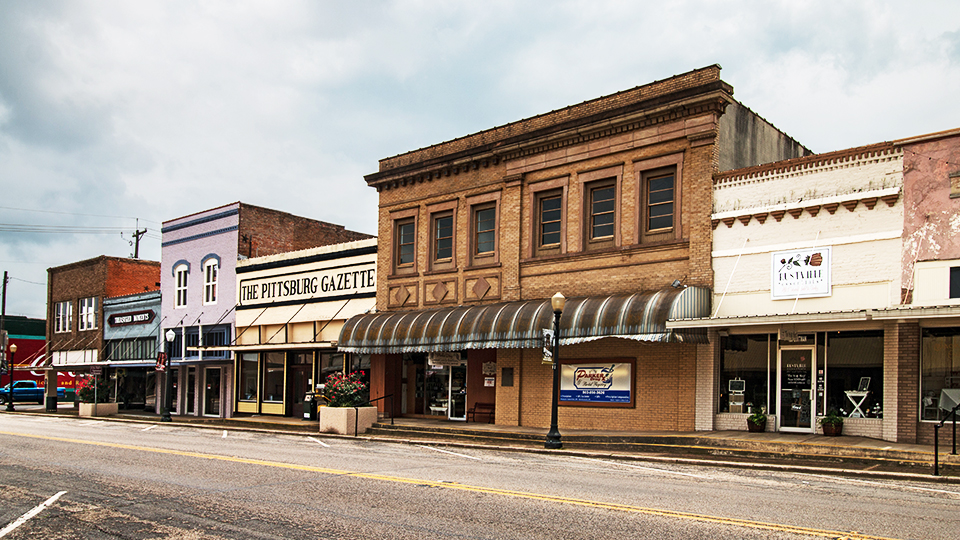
(160, 109)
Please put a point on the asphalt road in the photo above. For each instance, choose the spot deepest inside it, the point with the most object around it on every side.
(138, 480)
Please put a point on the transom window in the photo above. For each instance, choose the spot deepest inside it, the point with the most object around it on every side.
(660, 208)
(88, 313)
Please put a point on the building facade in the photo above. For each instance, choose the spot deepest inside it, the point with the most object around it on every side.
(290, 310)
(607, 202)
(199, 257)
(131, 347)
(832, 290)
(75, 298)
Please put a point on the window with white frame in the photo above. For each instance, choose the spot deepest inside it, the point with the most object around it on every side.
(211, 270)
(180, 295)
(63, 317)
(88, 313)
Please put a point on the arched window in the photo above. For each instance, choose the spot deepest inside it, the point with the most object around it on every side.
(180, 273)
(211, 272)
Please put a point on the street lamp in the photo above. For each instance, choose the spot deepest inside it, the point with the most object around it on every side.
(168, 379)
(10, 364)
(553, 436)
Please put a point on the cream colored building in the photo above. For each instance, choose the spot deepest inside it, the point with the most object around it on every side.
(290, 309)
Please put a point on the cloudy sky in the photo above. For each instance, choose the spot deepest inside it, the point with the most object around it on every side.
(119, 114)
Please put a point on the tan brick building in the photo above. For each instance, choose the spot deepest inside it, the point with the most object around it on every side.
(608, 202)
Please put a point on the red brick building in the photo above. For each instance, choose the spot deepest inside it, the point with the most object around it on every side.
(608, 202)
(75, 294)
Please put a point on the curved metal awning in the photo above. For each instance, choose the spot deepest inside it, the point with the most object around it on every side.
(517, 325)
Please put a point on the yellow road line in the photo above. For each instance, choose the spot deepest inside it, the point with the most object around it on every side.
(478, 489)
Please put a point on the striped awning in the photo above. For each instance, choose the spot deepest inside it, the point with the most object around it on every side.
(518, 325)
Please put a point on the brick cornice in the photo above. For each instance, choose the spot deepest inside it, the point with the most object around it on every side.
(706, 98)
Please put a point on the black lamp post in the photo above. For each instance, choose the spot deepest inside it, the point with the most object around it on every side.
(168, 379)
(10, 364)
(553, 441)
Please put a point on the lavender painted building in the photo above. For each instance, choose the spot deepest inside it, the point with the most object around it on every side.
(198, 283)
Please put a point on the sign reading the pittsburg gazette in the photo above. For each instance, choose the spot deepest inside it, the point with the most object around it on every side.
(801, 273)
(321, 284)
(599, 382)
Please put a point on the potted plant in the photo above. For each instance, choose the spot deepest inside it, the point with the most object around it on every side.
(832, 423)
(347, 409)
(94, 395)
(757, 422)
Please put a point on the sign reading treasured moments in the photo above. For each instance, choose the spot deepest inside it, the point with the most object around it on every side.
(136, 317)
(598, 382)
(801, 273)
(326, 283)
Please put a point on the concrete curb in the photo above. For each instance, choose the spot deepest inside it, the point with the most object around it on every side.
(637, 457)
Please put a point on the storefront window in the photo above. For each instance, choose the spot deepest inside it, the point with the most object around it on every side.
(330, 364)
(248, 376)
(855, 373)
(744, 362)
(940, 368)
(273, 377)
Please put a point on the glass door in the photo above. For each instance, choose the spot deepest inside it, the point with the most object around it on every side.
(458, 393)
(796, 389)
(211, 392)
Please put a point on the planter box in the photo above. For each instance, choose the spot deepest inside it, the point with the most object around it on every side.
(341, 420)
(98, 409)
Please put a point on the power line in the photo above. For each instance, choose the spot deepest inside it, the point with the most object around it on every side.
(75, 214)
(59, 229)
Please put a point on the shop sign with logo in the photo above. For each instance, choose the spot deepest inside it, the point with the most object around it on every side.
(596, 383)
(444, 358)
(136, 317)
(801, 273)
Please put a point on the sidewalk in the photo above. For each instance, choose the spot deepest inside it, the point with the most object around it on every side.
(844, 455)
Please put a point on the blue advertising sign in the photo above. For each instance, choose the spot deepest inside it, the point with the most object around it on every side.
(596, 383)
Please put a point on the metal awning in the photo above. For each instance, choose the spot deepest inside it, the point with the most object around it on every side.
(917, 313)
(518, 325)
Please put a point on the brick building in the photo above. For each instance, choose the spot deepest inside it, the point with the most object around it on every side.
(607, 202)
(833, 291)
(199, 255)
(75, 297)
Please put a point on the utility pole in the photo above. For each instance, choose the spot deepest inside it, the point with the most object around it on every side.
(136, 238)
(3, 333)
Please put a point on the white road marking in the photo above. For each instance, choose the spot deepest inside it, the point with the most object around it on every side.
(318, 441)
(90, 423)
(24, 518)
(645, 468)
(224, 434)
(448, 452)
(887, 485)
(148, 428)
